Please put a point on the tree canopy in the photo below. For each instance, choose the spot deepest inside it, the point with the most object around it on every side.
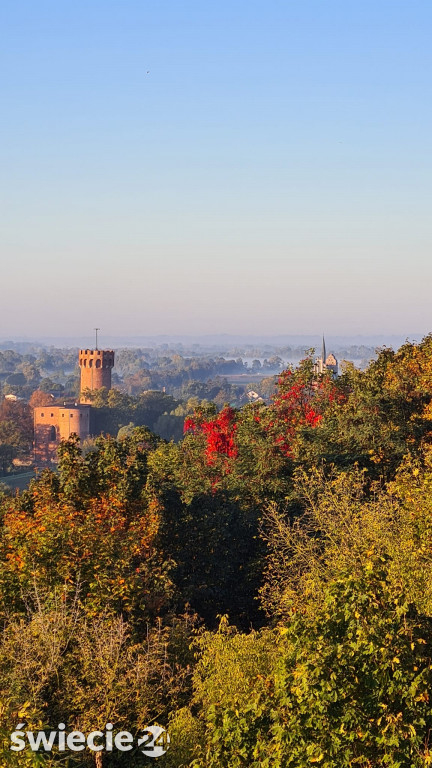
(260, 587)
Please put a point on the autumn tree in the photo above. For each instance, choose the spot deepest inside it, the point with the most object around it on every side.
(89, 526)
(348, 684)
(16, 430)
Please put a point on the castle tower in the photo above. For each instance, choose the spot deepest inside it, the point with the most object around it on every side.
(96, 366)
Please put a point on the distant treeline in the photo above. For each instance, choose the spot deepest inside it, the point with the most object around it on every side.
(136, 370)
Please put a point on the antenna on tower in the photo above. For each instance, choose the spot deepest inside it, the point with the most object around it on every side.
(96, 331)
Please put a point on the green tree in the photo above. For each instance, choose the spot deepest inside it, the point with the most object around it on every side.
(350, 687)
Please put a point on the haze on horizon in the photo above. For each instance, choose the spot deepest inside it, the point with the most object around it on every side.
(246, 168)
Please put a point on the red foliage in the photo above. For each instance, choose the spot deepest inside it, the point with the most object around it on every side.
(219, 432)
(189, 425)
(299, 404)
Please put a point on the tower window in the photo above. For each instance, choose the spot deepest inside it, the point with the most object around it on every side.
(98, 363)
(53, 435)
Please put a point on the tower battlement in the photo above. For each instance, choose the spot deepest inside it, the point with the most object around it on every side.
(95, 366)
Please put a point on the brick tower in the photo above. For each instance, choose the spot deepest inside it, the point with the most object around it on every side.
(96, 366)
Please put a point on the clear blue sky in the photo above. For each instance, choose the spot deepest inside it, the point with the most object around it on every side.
(187, 167)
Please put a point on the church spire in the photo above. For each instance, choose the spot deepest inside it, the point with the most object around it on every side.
(323, 351)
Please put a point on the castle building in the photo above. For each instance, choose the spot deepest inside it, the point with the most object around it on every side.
(95, 366)
(326, 362)
(54, 423)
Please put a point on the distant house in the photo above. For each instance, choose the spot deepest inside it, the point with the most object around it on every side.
(254, 397)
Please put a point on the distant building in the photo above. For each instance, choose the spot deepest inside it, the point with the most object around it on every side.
(254, 397)
(326, 362)
(54, 423)
(95, 366)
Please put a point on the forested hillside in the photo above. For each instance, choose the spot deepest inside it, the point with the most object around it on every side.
(261, 588)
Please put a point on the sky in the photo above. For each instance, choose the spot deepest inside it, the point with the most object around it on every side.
(232, 167)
